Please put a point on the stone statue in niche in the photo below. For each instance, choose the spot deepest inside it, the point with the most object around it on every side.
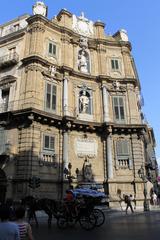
(87, 171)
(82, 63)
(52, 70)
(83, 102)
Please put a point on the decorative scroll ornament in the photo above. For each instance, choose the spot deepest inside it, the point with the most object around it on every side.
(82, 25)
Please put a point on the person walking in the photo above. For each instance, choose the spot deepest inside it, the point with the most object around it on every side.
(127, 200)
(8, 230)
(25, 230)
(154, 199)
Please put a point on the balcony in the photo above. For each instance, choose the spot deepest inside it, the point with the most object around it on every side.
(48, 159)
(13, 29)
(9, 60)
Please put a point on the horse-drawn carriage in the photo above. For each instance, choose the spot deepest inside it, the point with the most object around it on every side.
(82, 209)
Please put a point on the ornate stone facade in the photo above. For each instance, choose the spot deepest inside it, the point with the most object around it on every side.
(71, 101)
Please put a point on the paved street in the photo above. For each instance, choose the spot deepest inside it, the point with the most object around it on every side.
(118, 226)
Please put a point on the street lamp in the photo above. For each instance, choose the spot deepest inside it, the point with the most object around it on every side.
(144, 178)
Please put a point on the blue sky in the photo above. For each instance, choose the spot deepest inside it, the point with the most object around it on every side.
(140, 18)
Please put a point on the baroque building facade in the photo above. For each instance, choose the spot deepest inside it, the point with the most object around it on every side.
(70, 108)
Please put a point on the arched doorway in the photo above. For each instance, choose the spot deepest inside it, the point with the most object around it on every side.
(3, 185)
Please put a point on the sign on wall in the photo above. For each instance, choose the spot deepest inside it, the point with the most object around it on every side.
(86, 147)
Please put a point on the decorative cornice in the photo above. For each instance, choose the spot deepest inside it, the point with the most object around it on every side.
(92, 42)
(36, 18)
(35, 58)
(36, 27)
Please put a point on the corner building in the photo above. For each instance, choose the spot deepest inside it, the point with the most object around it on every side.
(70, 108)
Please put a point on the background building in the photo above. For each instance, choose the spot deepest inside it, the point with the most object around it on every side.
(70, 103)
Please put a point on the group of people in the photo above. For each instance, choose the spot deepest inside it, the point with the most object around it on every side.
(12, 225)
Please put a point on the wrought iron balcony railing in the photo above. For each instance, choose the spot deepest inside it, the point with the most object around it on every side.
(9, 59)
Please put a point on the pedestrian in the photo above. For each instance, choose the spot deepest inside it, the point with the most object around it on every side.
(25, 229)
(127, 200)
(133, 200)
(158, 199)
(154, 198)
(8, 230)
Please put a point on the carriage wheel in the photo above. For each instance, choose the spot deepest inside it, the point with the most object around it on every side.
(100, 217)
(62, 222)
(88, 222)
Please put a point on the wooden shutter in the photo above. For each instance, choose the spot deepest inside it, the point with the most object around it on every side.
(54, 90)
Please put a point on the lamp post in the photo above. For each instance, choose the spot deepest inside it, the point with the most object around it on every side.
(144, 179)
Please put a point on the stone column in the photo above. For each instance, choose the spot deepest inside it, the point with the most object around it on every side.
(109, 156)
(65, 150)
(65, 96)
(106, 117)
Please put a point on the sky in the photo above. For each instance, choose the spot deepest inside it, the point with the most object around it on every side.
(141, 19)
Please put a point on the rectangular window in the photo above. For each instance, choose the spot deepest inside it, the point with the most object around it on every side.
(123, 154)
(118, 106)
(50, 98)
(114, 64)
(52, 49)
(48, 156)
(48, 143)
(122, 148)
(5, 99)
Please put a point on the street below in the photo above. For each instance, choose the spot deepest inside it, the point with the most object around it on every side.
(118, 226)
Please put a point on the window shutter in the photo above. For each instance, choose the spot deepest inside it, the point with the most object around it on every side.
(118, 107)
(54, 89)
(52, 143)
(50, 48)
(116, 64)
(123, 153)
(119, 148)
(46, 142)
(48, 96)
(54, 49)
(2, 140)
(112, 64)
